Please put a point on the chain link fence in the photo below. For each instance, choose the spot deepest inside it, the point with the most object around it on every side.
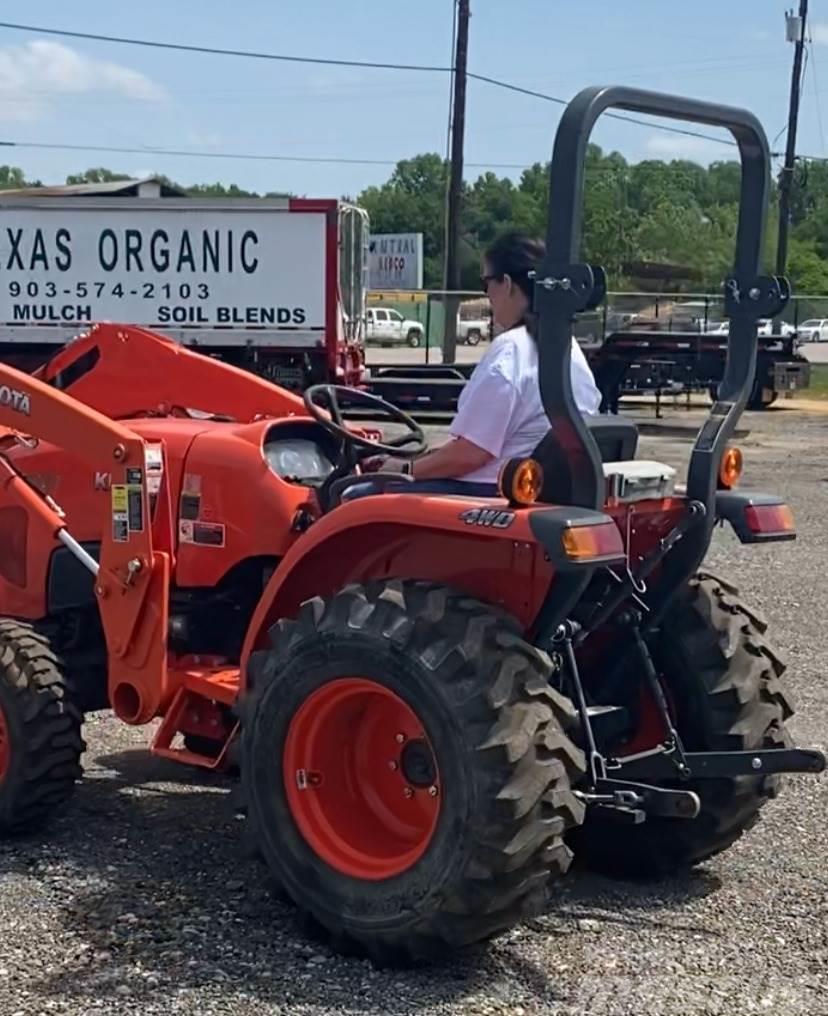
(416, 321)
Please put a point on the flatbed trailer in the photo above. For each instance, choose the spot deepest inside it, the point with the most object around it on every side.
(624, 363)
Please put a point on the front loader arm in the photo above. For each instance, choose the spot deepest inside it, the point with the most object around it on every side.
(123, 371)
(132, 579)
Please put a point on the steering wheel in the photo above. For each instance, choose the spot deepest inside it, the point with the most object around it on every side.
(335, 424)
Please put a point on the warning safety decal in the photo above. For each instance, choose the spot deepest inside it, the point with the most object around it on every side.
(205, 534)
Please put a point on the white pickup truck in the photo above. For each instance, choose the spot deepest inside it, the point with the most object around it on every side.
(385, 326)
(471, 330)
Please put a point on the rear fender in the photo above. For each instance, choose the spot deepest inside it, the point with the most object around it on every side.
(496, 553)
(755, 517)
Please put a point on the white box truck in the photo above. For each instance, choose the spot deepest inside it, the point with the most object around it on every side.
(275, 285)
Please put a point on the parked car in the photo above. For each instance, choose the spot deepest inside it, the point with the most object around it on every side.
(814, 330)
(764, 327)
(387, 327)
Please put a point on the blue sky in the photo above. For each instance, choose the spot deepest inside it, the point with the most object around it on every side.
(82, 92)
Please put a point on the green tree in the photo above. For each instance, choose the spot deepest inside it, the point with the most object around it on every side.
(413, 201)
(219, 190)
(807, 270)
(677, 212)
(13, 178)
(98, 175)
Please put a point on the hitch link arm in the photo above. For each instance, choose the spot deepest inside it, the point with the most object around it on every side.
(77, 550)
(617, 799)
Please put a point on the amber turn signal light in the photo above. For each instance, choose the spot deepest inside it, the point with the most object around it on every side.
(592, 543)
(521, 481)
(730, 469)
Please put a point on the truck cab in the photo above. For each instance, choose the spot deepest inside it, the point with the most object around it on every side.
(385, 326)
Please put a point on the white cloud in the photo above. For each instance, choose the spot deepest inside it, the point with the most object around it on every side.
(674, 146)
(819, 33)
(33, 74)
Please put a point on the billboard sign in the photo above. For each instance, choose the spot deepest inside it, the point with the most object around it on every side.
(395, 261)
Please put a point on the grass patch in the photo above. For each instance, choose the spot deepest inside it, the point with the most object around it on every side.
(818, 388)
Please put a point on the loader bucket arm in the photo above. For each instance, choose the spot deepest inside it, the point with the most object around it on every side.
(160, 374)
(132, 579)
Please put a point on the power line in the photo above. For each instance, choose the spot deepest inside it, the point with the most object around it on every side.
(265, 157)
(218, 51)
(614, 116)
(256, 55)
(251, 156)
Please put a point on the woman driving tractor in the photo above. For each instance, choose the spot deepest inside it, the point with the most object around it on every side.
(500, 414)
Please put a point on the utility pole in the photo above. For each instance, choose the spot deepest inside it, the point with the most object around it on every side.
(796, 34)
(451, 264)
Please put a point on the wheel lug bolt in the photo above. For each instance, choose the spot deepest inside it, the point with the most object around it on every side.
(392, 765)
(399, 738)
(432, 791)
(408, 792)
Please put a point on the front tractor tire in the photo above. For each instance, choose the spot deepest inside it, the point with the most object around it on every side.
(406, 770)
(40, 731)
(721, 676)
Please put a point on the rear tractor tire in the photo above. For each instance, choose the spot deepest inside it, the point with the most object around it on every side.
(406, 770)
(40, 731)
(722, 677)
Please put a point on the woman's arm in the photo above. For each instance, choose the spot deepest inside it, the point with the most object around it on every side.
(454, 459)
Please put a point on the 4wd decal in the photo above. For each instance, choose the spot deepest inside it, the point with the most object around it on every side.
(492, 517)
(19, 402)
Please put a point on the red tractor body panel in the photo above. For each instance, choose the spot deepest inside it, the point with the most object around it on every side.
(375, 538)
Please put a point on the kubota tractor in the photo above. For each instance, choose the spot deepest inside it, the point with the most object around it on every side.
(431, 701)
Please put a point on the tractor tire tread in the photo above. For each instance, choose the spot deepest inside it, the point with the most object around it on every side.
(738, 671)
(516, 726)
(50, 762)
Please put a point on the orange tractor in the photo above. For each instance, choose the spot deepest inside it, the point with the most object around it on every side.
(432, 702)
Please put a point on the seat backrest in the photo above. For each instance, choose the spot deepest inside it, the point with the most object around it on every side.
(617, 440)
(616, 436)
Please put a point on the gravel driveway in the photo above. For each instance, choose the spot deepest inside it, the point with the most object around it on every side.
(140, 900)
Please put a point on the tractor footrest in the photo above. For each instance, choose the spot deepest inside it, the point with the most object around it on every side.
(195, 709)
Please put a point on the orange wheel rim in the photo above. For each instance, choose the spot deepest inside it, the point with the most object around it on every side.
(361, 779)
(5, 746)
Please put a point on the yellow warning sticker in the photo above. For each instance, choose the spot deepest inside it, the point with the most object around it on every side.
(119, 498)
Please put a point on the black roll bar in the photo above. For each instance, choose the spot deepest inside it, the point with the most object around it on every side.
(564, 287)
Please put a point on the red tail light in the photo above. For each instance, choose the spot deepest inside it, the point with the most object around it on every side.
(770, 520)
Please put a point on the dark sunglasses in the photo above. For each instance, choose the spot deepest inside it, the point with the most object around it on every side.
(486, 279)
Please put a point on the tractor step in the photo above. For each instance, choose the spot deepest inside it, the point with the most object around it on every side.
(196, 710)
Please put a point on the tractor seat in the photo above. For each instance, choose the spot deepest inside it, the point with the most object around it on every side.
(617, 440)
(616, 436)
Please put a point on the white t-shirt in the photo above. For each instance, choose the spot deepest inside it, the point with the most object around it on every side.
(500, 407)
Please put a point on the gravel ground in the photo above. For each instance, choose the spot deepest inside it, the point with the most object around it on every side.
(140, 900)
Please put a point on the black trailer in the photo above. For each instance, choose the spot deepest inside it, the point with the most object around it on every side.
(626, 362)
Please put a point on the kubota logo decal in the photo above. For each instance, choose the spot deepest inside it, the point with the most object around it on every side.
(492, 517)
(20, 402)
